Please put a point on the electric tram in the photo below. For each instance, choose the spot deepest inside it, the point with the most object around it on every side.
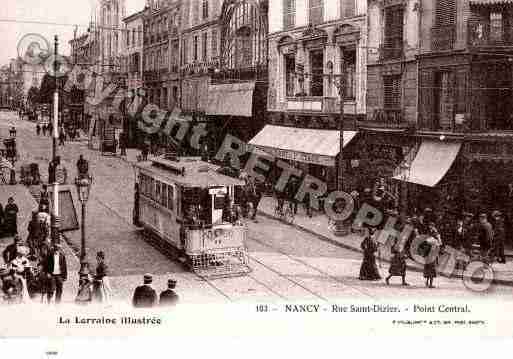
(186, 207)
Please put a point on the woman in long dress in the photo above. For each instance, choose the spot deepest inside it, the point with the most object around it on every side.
(101, 285)
(369, 269)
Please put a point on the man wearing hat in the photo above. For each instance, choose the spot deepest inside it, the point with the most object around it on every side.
(169, 297)
(499, 236)
(485, 235)
(11, 250)
(56, 270)
(144, 295)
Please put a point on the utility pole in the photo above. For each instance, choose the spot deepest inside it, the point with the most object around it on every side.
(55, 218)
(339, 229)
(342, 94)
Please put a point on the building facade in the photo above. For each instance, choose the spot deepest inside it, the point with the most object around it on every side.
(132, 67)
(315, 47)
(237, 93)
(199, 55)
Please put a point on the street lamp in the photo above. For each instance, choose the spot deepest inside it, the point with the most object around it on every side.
(83, 185)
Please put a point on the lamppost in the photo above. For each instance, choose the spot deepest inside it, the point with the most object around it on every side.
(339, 229)
(83, 185)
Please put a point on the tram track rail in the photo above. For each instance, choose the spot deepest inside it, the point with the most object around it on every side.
(297, 260)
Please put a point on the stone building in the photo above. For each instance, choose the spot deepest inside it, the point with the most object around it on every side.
(132, 66)
(237, 94)
(307, 42)
(199, 53)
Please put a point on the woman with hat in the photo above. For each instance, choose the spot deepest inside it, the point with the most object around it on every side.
(11, 217)
(85, 290)
(101, 287)
(369, 269)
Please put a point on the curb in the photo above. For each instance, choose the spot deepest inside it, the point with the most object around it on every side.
(410, 267)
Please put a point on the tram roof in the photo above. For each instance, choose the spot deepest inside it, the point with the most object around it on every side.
(196, 174)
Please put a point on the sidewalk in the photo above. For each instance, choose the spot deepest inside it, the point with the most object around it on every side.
(318, 226)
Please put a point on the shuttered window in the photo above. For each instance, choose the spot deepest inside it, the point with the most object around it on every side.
(392, 92)
(393, 42)
(204, 45)
(289, 13)
(213, 44)
(445, 12)
(315, 12)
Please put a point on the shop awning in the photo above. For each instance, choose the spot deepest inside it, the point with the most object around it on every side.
(231, 99)
(301, 144)
(431, 163)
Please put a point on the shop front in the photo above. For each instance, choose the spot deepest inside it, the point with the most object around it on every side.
(433, 178)
(312, 151)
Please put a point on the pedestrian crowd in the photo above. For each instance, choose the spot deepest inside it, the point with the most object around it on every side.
(478, 237)
(63, 133)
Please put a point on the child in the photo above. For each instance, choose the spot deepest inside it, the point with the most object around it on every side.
(397, 265)
(85, 290)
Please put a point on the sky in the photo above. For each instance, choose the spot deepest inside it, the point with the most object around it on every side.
(16, 17)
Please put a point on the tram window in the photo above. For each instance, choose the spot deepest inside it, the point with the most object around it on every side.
(170, 197)
(163, 195)
(157, 192)
(152, 189)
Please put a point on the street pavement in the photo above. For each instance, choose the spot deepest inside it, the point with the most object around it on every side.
(287, 263)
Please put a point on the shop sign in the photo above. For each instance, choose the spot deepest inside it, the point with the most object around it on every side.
(383, 152)
(321, 160)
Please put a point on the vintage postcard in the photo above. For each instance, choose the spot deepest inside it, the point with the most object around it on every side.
(265, 168)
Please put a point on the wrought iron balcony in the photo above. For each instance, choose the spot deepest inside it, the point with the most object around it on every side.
(386, 118)
(443, 37)
(390, 53)
(480, 35)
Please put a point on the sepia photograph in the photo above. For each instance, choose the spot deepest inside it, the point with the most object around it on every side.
(299, 168)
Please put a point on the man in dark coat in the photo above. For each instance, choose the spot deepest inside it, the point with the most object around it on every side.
(56, 270)
(169, 297)
(485, 235)
(144, 295)
(11, 217)
(499, 236)
(11, 250)
(82, 166)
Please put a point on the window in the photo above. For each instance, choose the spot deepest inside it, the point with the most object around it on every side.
(175, 94)
(393, 42)
(205, 9)
(204, 45)
(195, 49)
(392, 92)
(445, 13)
(127, 38)
(290, 68)
(289, 13)
(350, 80)
(133, 37)
(244, 47)
(184, 51)
(139, 35)
(157, 197)
(213, 44)
(444, 29)
(496, 27)
(170, 197)
(315, 13)
(348, 8)
(317, 68)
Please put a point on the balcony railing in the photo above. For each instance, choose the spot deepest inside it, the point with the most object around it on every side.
(481, 35)
(386, 118)
(443, 37)
(319, 104)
